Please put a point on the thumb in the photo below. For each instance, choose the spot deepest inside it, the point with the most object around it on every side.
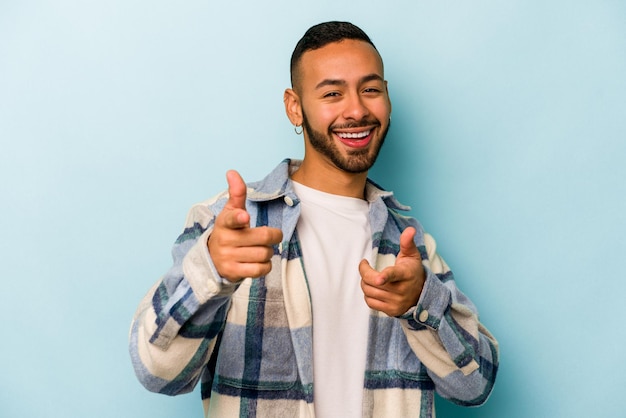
(236, 190)
(407, 245)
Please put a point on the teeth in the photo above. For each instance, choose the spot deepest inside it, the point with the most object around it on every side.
(353, 135)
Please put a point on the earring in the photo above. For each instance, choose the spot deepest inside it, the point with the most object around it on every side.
(295, 128)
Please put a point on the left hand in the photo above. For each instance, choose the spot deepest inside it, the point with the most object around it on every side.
(397, 288)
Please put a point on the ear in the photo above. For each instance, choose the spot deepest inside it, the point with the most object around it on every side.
(388, 98)
(293, 108)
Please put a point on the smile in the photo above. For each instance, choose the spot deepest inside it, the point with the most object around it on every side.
(351, 135)
(355, 139)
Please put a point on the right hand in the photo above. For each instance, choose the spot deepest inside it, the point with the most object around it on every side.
(237, 250)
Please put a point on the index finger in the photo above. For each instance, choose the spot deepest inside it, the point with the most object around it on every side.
(369, 275)
(234, 218)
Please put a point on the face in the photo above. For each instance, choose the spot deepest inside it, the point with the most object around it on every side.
(344, 105)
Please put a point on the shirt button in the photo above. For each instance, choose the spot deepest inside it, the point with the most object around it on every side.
(423, 317)
(288, 201)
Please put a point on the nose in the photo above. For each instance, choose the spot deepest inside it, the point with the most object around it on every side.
(355, 107)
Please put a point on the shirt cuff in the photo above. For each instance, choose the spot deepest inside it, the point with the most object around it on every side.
(202, 274)
(432, 304)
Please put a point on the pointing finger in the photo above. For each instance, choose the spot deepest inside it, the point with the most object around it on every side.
(370, 275)
(235, 219)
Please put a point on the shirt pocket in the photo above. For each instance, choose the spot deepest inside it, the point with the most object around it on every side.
(408, 366)
(256, 351)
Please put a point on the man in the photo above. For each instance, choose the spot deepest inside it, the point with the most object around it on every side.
(307, 293)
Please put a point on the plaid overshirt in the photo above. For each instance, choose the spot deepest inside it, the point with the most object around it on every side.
(250, 344)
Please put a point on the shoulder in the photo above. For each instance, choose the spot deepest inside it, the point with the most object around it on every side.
(204, 212)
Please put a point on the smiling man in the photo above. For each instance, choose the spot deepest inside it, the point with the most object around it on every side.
(343, 90)
(308, 293)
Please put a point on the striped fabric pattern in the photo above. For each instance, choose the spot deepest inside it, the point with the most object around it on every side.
(250, 344)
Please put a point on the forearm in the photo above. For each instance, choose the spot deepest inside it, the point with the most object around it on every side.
(170, 344)
(445, 333)
(459, 352)
(176, 324)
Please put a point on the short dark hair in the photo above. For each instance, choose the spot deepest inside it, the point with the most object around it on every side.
(323, 34)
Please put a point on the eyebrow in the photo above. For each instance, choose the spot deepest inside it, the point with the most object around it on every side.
(335, 82)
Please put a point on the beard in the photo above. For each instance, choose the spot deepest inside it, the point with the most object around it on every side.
(357, 160)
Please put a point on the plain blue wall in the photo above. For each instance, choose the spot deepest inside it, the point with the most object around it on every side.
(508, 141)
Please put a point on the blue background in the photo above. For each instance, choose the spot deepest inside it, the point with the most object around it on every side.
(508, 141)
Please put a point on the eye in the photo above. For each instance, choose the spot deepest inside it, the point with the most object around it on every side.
(372, 90)
(331, 94)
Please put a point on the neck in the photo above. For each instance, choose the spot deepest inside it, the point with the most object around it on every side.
(325, 177)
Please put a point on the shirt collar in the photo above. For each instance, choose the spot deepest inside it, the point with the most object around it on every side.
(278, 184)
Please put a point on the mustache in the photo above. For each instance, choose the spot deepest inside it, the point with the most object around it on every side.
(365, 122)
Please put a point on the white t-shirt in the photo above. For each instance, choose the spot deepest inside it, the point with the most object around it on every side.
(335, 235)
